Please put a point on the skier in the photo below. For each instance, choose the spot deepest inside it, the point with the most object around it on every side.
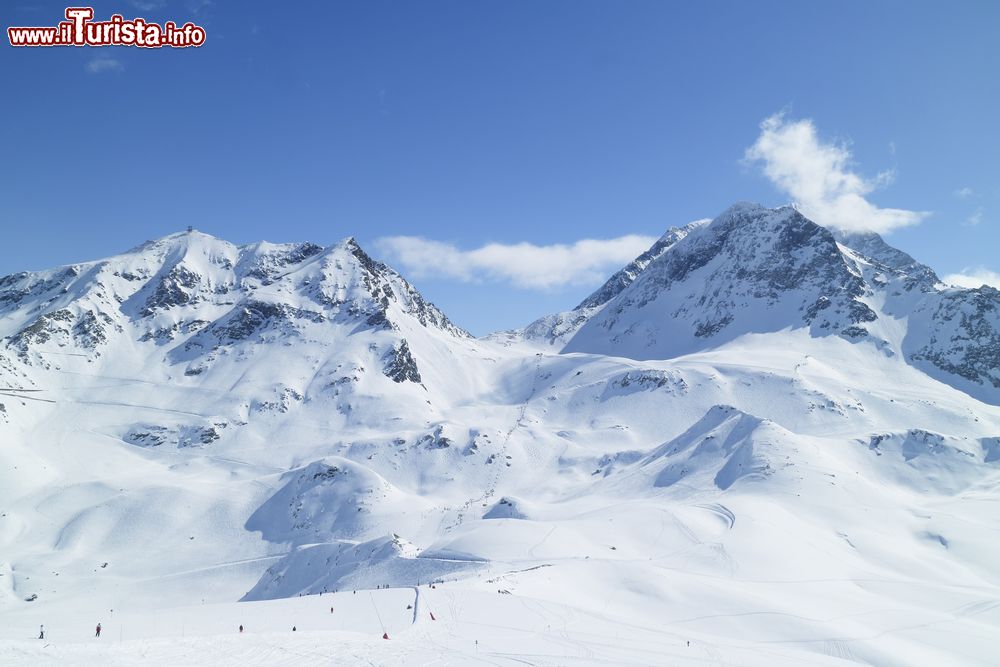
(41, 632)
(98, 633)
(241, 629)
(293, 628)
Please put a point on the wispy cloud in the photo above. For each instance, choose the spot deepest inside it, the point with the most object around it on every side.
(104, 63)
(974, 277)
(976, 218)
(197, 7)
(817, 175)
(524, 265)
(148, 5)
(964, 193)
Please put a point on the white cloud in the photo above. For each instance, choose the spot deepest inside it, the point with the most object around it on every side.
(962, 193)
(147, 5)
(104, 63)
(976, 218)
(524, 265)
(197, 7)
(818, 177)
(972, 278)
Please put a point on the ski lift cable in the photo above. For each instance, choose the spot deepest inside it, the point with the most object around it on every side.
(377, 615)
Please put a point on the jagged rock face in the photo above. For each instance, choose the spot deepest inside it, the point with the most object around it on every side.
(177, 288)
(963, 336)
(87, 330)
(197, 296)
(750, 270)
(388, 287)
(257, 321)
(18, 287)
(400, 365)
(756, 270)
(268, 265)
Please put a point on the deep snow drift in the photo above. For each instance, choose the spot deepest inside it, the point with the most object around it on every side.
(778, 444)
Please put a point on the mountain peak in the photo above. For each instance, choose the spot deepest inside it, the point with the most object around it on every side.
(752, 269)
(176, 239)
(192, 291)
(757, 270)
(745, 206)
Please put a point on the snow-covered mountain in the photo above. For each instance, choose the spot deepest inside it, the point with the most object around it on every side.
(209, 294)
(774, 441)
(755, 270)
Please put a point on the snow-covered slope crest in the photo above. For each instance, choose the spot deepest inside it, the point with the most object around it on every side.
(330, 499)
(337, 566)
(724, 445)
(180, 304)
(195, 423)
(190, 284)
(755, 270)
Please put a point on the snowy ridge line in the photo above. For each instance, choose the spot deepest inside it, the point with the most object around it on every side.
(287, 424)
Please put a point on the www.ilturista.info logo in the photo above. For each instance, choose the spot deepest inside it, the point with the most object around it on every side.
(79, 29)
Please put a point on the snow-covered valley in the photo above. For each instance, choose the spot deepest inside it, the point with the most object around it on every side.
(761, 443)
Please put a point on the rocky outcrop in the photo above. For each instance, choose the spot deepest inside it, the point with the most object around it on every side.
(400, 366)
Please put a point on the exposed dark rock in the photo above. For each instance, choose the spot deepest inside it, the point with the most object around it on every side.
(400, 365)
(328, 472)
(965, 340)
(148, 436)
(177, 288)
(269, 266)
(435, 440)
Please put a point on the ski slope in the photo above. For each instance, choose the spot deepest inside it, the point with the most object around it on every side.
(469, 627)
(198, 435)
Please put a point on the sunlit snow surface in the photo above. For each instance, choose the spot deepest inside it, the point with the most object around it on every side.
(781, 498)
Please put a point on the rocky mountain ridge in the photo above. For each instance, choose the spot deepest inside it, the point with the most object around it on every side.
(754, 270)
(755, 411)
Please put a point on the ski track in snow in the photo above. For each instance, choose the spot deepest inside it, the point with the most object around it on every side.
(738, 458)
(500, 462)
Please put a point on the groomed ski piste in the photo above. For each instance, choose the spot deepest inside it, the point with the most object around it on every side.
(198, 436)
(469, 627)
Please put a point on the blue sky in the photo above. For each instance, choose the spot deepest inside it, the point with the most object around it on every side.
(551, 123)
